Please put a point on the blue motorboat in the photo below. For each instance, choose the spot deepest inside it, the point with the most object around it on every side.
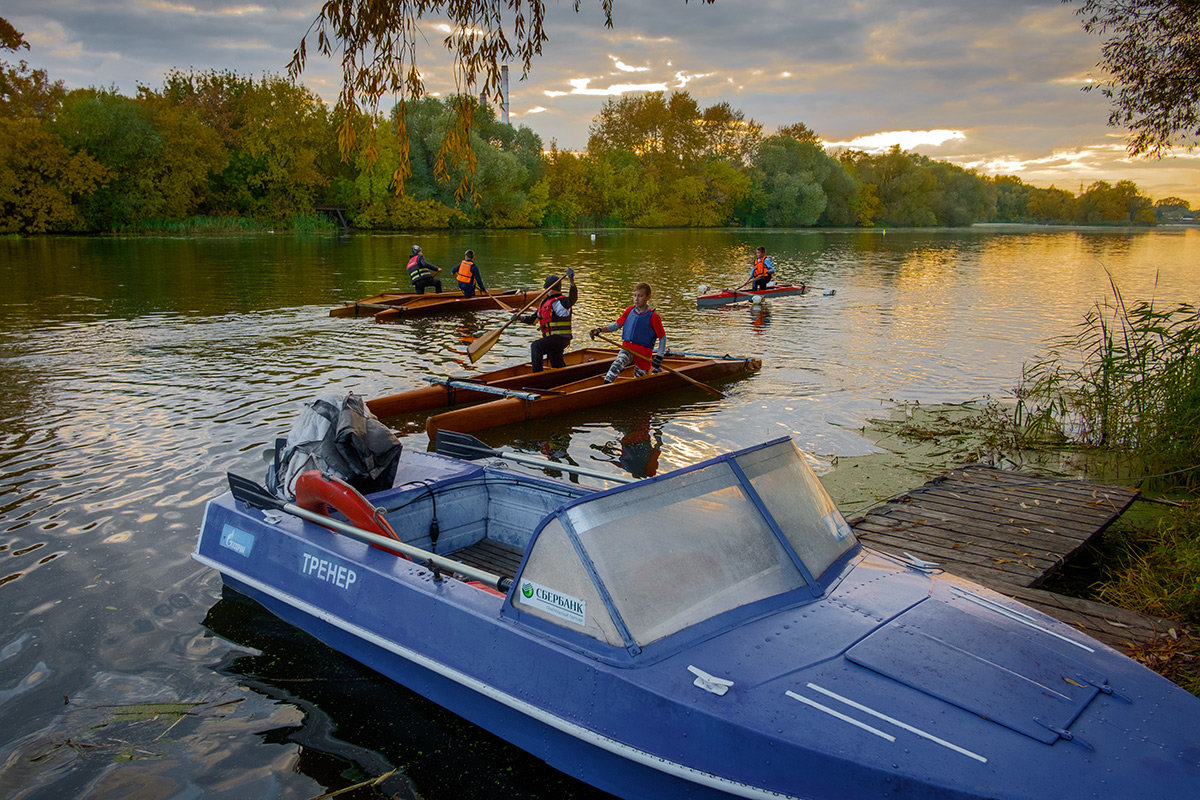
(713, 632)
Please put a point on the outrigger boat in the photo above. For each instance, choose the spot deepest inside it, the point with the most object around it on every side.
(517, 394)
(714, 632)
(726, 296)
(392, 306)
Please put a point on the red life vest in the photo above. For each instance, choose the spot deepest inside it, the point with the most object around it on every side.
(549, 322)
(415, 270)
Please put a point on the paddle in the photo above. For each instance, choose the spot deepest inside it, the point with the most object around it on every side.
(247, 491)
(489, 338)
(688, 378)
(466, 446)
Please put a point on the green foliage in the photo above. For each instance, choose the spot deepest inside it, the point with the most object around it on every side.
(1122, 204)
(1127, 380)
(41, 180)
(1150, 58)
(1156, 568)
(118, 133)
(1171, 209)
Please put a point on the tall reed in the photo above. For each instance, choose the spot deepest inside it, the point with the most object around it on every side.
(1127, 380)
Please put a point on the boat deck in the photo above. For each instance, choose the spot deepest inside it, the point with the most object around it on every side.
(1010, 532)
(492, 556)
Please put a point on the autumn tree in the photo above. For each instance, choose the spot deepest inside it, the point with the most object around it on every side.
(274, 131)
(1150, 54)
(1051, 205)
(41, 179)
(728, 134)
(800, 132)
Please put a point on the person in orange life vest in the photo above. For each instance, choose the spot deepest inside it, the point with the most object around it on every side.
(468, 275)
(640, 326)
(763, 270)
(421, 272)
(553, 318)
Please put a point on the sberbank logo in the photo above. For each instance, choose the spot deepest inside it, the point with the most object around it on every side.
(560, 604)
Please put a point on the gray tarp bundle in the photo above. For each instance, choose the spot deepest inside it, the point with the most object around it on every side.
(338, 435)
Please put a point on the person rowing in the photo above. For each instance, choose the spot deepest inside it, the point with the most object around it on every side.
(422, 273)
(640, 327)
(468, 275)
(553, 319)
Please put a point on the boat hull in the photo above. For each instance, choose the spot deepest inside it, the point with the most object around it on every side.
(588, 393)
(391, 307)
(580, 364)
(649, 731)
(728, 296)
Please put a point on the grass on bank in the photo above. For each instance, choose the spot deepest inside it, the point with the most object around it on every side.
(1116, 401)
(208, 226)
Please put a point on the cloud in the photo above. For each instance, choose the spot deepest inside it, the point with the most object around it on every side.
(908, 140)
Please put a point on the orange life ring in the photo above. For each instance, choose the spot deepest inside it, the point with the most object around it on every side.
(318, 493)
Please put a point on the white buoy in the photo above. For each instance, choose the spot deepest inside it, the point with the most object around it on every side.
(702, 289)
(593, 237)
(756, 300)
(829, 292)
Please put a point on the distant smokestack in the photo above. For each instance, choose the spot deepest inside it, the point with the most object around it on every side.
(504, 93)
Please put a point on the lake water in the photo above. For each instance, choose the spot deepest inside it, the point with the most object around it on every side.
(137, 372)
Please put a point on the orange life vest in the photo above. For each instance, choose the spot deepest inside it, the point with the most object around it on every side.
(464, 272)
(760, 267)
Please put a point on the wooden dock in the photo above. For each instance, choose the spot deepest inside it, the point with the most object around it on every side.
(1011, 531)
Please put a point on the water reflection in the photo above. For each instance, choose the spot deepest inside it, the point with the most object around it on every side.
(344, 738)
(638, 450)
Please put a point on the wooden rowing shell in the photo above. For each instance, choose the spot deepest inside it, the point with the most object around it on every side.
(588, 392)
(390, 307)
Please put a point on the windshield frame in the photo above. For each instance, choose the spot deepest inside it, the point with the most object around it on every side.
(813, 588)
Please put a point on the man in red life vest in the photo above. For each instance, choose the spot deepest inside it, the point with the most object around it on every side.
(553, 319)
(640, 326)
(421, 272)
(763, 271)
(468, 275)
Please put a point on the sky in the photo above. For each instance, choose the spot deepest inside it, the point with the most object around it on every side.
(989, 85)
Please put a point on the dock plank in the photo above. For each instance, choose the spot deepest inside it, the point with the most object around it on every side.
(1010, 531)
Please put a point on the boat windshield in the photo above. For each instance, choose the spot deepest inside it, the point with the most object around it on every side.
(674, 552)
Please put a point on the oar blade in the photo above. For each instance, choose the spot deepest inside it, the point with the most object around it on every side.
(484, 343)
(250, 493)
(462, 445)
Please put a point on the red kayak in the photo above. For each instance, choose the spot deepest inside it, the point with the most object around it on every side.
(727, 296)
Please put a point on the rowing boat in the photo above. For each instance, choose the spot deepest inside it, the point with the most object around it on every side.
(727, 296)
(712, 633)
(590, 391)
(393, 306)
(516, 380)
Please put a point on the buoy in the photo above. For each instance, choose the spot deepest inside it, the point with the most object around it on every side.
(756, 300)
(319, 493)
(702, 289)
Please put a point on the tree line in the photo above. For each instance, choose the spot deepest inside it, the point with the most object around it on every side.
(218, 146)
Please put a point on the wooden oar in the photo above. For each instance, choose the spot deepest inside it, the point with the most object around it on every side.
(497, 299)
(687, 378)
(247, 491)
(485, 342)
(467, 447)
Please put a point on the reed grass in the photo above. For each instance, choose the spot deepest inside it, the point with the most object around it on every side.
(1126, 381)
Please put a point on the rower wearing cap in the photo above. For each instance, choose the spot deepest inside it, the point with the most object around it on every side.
(553, 319)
